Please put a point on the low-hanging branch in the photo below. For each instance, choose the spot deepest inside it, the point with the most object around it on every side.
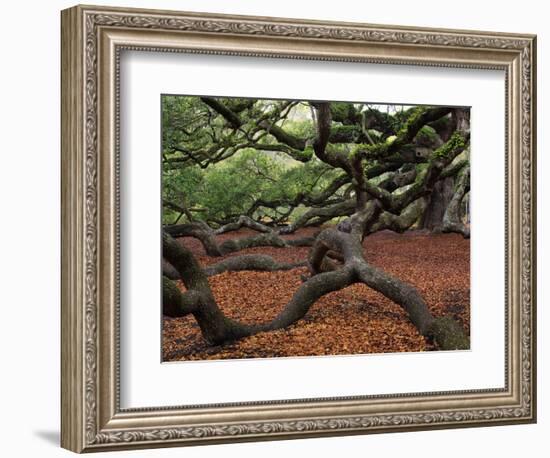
(257, 262)
(217, 328)
(207, 236)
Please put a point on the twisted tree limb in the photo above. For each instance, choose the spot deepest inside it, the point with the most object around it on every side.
(257, 262)
(207, 236)
(216, 328)
(242, 221)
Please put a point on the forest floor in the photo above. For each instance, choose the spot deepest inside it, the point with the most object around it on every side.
(354, 320)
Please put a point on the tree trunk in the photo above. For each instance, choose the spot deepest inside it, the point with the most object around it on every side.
(439, 200)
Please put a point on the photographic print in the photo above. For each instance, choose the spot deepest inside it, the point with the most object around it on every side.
(308, 218)
(311, 228)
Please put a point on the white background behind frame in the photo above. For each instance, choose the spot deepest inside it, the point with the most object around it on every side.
(147, 75)
(34, 384)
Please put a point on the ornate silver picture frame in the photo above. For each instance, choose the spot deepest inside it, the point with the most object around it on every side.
(93, 39)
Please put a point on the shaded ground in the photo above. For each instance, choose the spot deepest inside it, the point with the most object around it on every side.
(353, 320)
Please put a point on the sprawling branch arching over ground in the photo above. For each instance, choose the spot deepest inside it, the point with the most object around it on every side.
(207, 236)
(258, 262)
(216, 328)
(361, 168)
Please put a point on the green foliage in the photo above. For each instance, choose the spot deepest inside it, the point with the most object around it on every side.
(374, 134)
(233, 186)
(300, 124)
(182, 118)
(238, 104)
(341, 110)
(426, 136)
(413, 117)
(230, 188)
(441, 123)
(456, 141)
(179, 187)
(223, 156)
(299, 128)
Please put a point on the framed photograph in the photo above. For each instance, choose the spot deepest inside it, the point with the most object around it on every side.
(278, 228)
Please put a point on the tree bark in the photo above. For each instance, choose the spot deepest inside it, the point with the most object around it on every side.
(216, 328)
(438, 202)
(452, 221)
(207, 236)
(258, 262)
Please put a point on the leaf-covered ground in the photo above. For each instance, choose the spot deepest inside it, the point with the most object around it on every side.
(351, 321)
